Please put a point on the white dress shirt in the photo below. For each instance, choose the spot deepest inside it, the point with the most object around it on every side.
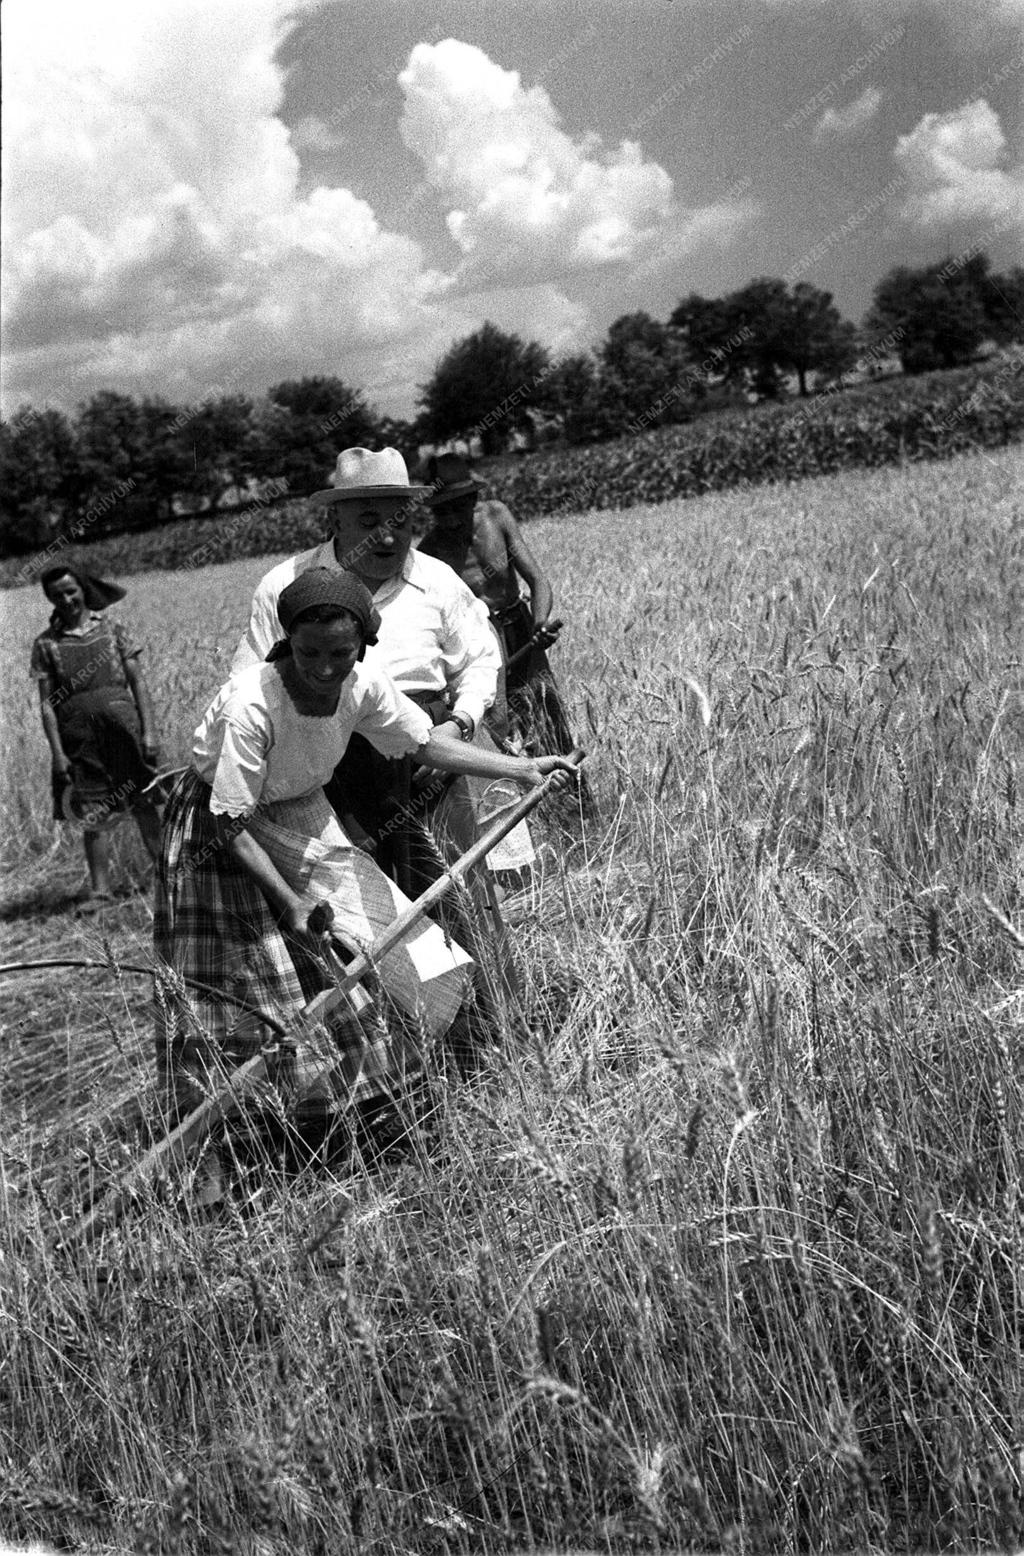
(254, 745)
(434, 634)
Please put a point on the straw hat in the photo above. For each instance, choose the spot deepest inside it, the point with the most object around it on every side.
(361, 473)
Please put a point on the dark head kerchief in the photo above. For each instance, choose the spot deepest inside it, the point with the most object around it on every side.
(328, 586)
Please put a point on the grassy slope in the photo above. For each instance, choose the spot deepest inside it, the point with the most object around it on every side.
(894, 421)
(728, 1243)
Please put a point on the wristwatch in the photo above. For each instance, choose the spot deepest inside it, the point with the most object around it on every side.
(466, 726)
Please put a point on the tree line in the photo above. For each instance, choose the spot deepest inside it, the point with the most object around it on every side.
(119, 464)
(760, 342)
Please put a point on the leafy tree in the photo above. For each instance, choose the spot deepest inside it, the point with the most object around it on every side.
(758, 334)
(215, 437)
(1002, 298)
(164, 463)
(484, 385)
(643, 374)
(633, 333)
(309, 421)
(816, 338)
(708, 325)
(108, 437)
(935, 313)
(406, 436)
(39, 477)
(267, 437)
(759, 315)
(113, 438)
(133, 461)
(571, 397)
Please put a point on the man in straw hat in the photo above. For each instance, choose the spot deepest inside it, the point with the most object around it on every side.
(481, 541)
(434, 642)
(255, 871)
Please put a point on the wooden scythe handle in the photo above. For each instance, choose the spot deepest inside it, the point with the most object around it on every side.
(194, 1129)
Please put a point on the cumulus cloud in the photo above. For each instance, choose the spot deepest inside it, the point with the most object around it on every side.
(161, 237)
(838, 123)
(153, 221)
(522, 193)
(955, 165)
(312, 134)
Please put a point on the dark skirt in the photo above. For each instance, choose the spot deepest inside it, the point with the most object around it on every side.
(413, 831)
(101, 734)
(535, 706)
(536, 712)
(415, 825)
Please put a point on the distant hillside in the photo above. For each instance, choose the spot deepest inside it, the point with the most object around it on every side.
(899, 420)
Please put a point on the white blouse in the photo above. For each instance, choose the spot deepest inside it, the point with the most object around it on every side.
(434, 632)
(254, 745)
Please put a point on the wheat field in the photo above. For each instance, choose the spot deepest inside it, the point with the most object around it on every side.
(722, 1248)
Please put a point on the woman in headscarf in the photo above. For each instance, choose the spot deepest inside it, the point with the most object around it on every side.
(257, 872)
(97, 717)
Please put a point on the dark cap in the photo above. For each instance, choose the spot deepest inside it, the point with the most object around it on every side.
(450, 477)
(329, 586)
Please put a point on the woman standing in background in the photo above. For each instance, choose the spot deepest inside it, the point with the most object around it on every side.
(97, 717)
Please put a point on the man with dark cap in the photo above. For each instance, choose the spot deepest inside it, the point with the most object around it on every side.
(481, 541)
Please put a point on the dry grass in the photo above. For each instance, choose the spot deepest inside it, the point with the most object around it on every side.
(723, 1249)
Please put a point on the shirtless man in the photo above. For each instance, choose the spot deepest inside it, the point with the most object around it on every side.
(481, 541)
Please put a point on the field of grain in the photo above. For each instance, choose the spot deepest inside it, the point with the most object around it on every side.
(723, 1248)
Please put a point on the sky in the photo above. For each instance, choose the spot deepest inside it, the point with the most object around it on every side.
(206, 197)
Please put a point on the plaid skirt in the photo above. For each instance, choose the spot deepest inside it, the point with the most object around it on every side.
(233, 981)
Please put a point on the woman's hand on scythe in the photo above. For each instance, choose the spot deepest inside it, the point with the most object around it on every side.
(539, 768)
(320, 920)
(311, 924)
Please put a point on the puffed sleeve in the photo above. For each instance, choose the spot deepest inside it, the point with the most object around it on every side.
(241, 770)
